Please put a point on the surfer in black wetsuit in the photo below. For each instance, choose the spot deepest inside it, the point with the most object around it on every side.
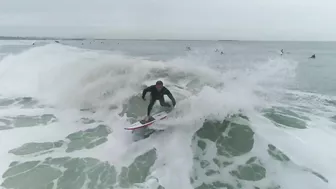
(157, 91)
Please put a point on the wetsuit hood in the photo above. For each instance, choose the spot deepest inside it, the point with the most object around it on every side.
(159, 83)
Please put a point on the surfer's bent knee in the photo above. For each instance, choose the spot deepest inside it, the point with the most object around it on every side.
(163, 103)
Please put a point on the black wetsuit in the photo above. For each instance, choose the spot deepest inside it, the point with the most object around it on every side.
(157, 95)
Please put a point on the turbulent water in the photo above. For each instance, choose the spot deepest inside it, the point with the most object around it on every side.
(246, 116)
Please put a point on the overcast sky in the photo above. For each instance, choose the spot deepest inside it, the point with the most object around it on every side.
(171, 19)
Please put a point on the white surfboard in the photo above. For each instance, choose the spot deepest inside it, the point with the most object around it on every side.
(141, 124)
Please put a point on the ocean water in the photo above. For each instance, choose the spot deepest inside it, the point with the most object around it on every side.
(247, 118)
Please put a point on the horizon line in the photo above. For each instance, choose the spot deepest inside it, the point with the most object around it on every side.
(149, 39)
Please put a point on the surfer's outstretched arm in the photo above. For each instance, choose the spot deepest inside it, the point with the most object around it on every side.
(150, 106)
(168, 93)
(146, 90)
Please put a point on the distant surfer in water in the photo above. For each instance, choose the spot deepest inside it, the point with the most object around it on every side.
(157, 91)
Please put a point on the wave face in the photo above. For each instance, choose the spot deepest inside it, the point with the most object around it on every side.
(244, 118)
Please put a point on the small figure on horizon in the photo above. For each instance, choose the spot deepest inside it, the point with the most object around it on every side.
(222, 52)
(313, 56)
(282, 52)
(188, 48)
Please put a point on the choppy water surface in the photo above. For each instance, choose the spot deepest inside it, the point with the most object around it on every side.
(245, 118)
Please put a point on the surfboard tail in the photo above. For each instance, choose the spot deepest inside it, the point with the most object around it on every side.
(142, 124)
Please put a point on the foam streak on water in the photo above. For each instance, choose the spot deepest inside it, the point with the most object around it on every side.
(238, 123)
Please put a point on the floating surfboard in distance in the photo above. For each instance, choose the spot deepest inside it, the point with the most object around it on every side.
(142, 123)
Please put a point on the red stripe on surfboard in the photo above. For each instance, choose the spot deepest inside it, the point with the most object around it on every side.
(147, 124)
